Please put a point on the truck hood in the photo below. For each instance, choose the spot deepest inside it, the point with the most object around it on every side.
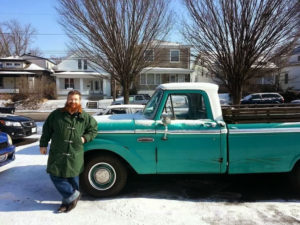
(122, 123)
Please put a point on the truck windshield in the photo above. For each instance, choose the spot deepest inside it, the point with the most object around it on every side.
(152, 106)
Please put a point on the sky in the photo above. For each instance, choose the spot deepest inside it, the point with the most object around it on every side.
(50, 38)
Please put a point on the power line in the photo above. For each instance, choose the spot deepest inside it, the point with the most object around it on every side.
(37, 34)
(31, 14)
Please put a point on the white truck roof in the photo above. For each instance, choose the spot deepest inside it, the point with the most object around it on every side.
(209, 88)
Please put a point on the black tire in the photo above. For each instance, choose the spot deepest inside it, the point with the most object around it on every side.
(103, 176)
(295, 178)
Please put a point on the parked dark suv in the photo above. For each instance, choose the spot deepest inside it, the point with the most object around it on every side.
(263, 98)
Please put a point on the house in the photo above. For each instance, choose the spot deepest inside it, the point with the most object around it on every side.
(169, 63)
(78, 73)
(20, 74)
(200, 72)
(290, 74)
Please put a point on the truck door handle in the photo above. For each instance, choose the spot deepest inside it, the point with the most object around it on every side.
(145, 139)
(210, 124)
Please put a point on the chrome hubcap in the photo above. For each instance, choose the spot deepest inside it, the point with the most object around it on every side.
(102, 176)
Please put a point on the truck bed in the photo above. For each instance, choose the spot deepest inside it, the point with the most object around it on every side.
(261, 113)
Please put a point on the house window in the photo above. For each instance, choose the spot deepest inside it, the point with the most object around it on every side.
(96, 85)
(286, 78)
(181, 78)
(9, 64)
(17, 64)
(143, 79)
(69, 83)
(85, 64)
(150, 79)
(157, 79)
(1, 81)
(299, 58)
(149, 55)
(79, 64)
(177, 78)
(1, 65)
(172, 78)
(174, 55)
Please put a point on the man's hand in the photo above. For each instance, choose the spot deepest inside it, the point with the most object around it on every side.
(83, 140)
(43, 150)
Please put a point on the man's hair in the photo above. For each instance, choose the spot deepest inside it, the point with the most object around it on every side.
(74, 92)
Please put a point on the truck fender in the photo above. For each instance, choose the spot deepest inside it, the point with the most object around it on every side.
(114, 147)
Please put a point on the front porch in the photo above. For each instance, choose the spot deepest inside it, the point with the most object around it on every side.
(15, 82)
(91, 86)
(151, 77)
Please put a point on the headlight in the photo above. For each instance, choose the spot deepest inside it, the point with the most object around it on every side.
(12, 124)
(9, 140)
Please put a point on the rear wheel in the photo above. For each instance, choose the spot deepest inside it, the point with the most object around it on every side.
(103, 176)
(295, 178)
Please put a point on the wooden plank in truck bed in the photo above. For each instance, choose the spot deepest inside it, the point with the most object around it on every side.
(261, 113)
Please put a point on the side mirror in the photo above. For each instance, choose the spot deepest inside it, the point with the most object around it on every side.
(166, 120)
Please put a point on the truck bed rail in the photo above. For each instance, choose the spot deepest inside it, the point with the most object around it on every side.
(261, 113)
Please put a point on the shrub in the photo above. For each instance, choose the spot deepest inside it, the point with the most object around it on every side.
(19, 97)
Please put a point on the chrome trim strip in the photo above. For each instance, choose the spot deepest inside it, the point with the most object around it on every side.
(190, 132)
(141, 131)
(161, 132)
(116, 132)
(265, 131)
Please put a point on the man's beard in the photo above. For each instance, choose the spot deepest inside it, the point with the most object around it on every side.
(72, 107)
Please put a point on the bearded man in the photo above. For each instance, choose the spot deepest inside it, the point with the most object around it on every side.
(68, 129)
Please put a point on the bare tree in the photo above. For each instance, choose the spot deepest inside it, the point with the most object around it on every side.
(114, 34)
(16, 39)
(235, 37)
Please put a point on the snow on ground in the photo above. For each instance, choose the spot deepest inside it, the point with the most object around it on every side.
(51, 105)
(27, 196)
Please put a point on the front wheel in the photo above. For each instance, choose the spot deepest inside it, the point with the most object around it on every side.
(103, 176)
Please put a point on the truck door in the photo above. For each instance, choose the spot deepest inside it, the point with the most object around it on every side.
(192, 142)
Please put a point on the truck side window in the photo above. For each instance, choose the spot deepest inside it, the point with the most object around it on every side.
(188, 106)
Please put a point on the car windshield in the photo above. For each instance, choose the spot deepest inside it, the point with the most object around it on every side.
(151, 107)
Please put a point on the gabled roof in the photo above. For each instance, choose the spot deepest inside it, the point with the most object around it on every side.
(13, 59)
(39, 57)
(169, 44)
(33, 66)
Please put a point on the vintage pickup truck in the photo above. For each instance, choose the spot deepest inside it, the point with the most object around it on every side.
(182, 131)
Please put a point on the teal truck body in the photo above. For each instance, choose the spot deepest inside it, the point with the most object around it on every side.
(182, 131)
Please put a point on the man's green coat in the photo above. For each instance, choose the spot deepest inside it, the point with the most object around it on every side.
(66, 149)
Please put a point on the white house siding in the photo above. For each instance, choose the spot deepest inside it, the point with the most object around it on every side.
(200, 74)
(293, 79)
(85, 79)
(290, 75)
